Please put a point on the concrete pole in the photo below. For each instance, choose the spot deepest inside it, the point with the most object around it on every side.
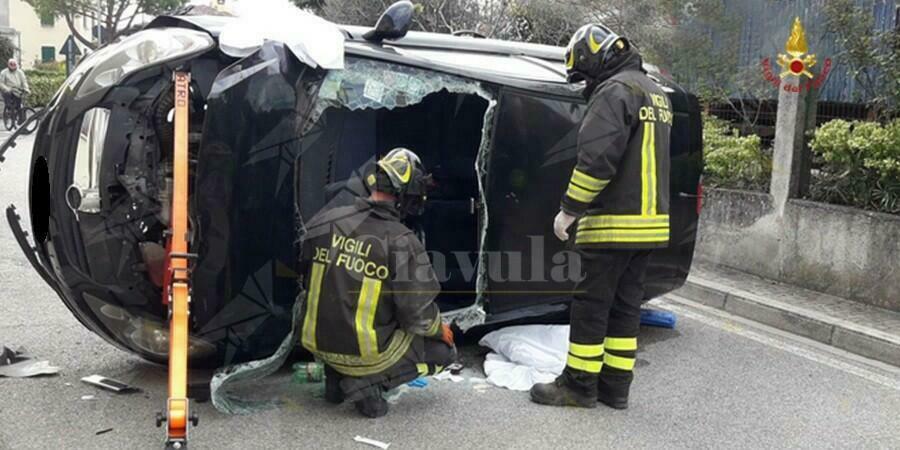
(787, 160)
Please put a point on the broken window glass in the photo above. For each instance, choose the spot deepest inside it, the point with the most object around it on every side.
(371, 84)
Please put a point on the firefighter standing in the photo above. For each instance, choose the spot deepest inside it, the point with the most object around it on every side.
(619, 195)
(369, 313)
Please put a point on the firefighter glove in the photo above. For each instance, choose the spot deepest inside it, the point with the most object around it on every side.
(561, 225)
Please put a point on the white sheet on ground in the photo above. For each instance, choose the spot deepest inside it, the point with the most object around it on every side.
(525, 355)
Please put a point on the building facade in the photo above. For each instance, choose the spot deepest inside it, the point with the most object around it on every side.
(38, 38)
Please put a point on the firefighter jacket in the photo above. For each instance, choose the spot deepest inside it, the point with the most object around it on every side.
(620, 186)
(370, 288)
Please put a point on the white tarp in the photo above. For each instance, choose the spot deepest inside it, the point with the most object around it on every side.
(313, 40)
(525, 355)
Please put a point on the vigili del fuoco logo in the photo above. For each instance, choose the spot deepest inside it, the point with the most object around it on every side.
(795, 74)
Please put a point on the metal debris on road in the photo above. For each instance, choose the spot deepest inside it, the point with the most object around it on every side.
(88, 397)
(372, 442)
(110, 384)
(16, 364)
(103, 431)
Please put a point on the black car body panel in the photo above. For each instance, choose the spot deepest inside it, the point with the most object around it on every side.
(263, 155)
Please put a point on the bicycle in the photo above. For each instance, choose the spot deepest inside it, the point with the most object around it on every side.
(18, 115)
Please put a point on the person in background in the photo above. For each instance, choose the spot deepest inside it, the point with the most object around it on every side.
(13, 85)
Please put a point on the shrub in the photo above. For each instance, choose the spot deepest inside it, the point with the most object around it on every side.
(49, 68)
(733, 161)
(7, 49)
(858, 164)
(44, 84)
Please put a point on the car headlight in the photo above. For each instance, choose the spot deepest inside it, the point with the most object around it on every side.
(111, 64)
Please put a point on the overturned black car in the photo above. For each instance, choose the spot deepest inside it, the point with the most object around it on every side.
(274, 138)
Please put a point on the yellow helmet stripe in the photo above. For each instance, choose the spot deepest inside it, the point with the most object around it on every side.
(387, 165)
(595, 46)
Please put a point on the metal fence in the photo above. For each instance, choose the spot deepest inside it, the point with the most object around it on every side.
(766, 26)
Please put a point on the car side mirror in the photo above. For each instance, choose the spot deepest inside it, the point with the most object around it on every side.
(394, 23)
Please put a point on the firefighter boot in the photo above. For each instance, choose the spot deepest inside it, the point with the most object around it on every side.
(612, 389)
(372, 407)
(617, 371)
(333, 392)
(567, 390)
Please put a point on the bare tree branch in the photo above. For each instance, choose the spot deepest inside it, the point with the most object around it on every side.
(70, 22)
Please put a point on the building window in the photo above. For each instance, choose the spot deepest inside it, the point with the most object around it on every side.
(48, 19)
(48, 53)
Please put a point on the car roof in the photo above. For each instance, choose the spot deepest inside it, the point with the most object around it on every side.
(533, 67)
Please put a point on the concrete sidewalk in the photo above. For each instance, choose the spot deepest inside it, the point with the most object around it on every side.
(862, 329)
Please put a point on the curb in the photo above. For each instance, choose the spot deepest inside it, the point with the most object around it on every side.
(836, 332)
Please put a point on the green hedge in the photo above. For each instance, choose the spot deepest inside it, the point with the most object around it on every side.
(857, 164)
(733, 161)
(44, 84)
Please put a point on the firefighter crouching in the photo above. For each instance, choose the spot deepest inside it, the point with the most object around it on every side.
(619, 195)
(369, 313)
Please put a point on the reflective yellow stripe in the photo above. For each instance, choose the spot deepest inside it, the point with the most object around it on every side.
(588, 182)
(422, 368)
(637, 235)
(579, 194)
(648, 170)
(644, 180)
(652, 167)
(355, 366)
(618, 362)
(365, 317)
(583, 364)
(435, 326)
(312, 307)
(620, 343)
(586, 351)
(623, 221)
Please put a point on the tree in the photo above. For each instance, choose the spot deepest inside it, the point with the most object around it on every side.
(311, 5)
(7, 49)
(114, 16)
(543, 21)
(872, 56)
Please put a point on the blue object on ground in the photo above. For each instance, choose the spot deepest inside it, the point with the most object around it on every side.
(657, 318)
(420, 383)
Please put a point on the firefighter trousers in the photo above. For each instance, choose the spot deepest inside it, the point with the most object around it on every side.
(606, 316)
(425, 357)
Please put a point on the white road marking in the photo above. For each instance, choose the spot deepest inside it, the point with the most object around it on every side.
(871, 370)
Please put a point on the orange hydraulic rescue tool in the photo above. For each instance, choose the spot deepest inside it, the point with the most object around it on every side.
(179, 291)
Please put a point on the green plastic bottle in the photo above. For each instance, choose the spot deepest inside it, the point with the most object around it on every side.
(311, 372)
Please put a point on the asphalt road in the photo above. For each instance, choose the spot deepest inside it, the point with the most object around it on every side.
(716, 381)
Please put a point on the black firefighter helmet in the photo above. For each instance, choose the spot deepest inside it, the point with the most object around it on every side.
(591, 50)
(402, 174)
